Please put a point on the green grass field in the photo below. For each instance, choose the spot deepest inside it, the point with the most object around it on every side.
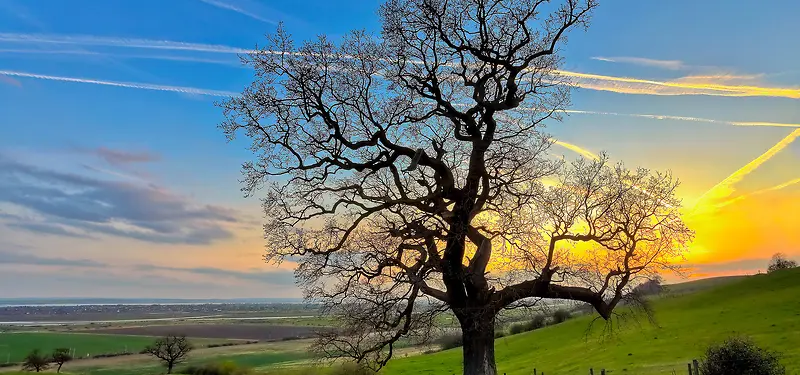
(14, 346)
(765, 307)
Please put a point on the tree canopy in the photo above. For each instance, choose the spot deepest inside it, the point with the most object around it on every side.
(409, 174)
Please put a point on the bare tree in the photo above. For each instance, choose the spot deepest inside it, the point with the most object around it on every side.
(409, 175)
(36, 361)
(170, 349)
(61, 356)
(779, 261)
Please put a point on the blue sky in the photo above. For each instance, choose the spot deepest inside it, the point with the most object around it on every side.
(113, 101)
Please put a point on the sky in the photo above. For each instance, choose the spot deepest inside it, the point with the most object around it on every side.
(116, 182)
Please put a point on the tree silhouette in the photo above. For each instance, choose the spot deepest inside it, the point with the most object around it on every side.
(35, 361)
(409, 175)
(170, 349)
(780, 262)
(61, 356)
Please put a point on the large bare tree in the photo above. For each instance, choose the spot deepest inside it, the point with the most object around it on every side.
(408, 175)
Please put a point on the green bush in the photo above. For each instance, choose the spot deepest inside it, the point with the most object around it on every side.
(450, 341)
(537, 322)
(560, 316)
(223, 368)
(739, 355)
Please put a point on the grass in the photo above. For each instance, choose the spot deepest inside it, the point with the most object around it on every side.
(14, 346)
(765, 307)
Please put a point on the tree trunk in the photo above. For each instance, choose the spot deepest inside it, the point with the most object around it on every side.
(58, 371)
(169, 367)
(478, 340)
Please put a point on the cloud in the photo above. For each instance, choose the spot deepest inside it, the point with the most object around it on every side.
(144, 86)
(237, 9)
(711, 198)
(7, 257)
(121, 157)
(274, 277)
(663, 64)
(76, 205)
(46, 229)
(682, 86)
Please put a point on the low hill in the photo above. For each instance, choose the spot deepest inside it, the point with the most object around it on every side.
(765, 307)
(701, 284)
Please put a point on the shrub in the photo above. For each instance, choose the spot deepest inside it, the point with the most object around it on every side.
(560, 316)
(538, 321)
(499, 333)
(739, 355)
(223, 368)
(450, 341)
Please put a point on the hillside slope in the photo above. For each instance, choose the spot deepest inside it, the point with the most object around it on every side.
(765, 307)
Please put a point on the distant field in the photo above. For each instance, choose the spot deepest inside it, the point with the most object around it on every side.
(14, 346)
(702, 284)
(259, 332)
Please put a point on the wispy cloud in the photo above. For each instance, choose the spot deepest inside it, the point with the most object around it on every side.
(80, 52)
(133, 85)
(663, 64)
(121, 157)
(693, 86)
(759, 192)
(711, 199)
(237, 9)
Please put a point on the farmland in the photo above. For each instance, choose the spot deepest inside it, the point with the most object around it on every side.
(765, 307)
(259, 332)
(14, 346)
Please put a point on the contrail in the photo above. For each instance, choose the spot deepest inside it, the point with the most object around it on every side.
(90, 40)
(725, 188)
(762, 191)
(582, 151)
(626, 85)
(681, 118)
(133, 85)
(228, 6)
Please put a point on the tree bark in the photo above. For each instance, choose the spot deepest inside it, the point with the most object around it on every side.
(478, 348)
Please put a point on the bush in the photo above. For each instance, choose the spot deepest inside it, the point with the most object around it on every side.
(537, 322)
(560, 316)
(450, 341)
(223, 368)
(739, 355)
(499, 333)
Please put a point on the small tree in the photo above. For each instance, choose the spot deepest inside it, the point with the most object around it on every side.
(739, 355)
(170, 349)
(61, 356)
(779, 262)
(35, 361)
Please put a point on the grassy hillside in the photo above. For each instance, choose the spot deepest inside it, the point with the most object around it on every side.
(765, 307)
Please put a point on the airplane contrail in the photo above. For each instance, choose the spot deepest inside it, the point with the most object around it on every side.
(725, 188)
(134, 85)
(237, 9)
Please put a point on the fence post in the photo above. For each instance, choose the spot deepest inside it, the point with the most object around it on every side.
(696, 367)
(534, 371)
(603, 372)
(591, 371)
(690, 368)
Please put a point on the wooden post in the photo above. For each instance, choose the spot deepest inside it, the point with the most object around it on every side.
(690, 368)
(603, 372)
(591, 371)
(534, 371)
(696, 367)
